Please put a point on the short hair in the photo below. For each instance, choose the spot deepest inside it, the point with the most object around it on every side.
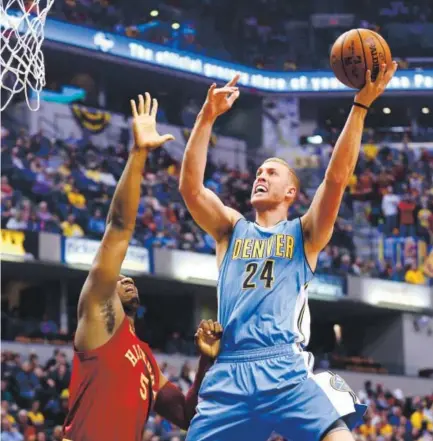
(291, 171)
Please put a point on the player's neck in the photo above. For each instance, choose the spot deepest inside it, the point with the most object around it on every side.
(131, 322)
(269, 218)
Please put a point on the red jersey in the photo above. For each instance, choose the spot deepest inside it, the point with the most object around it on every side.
(112, 389)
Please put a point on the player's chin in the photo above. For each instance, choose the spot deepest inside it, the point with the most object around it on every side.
(131, 306)
(260, 201)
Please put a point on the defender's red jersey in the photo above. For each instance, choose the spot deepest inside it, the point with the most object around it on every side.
(112, 389)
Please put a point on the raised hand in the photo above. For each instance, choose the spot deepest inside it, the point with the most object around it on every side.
(219, 100)
(144, 124)
(208, 337)
(372, 90)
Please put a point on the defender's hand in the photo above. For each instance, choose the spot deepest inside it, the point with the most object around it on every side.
(218, 101)
(208, 337)
(144, 124)
(372, 90)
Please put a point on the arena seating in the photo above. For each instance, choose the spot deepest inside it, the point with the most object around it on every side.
(35, 397)
(66, 188)
(253, 34)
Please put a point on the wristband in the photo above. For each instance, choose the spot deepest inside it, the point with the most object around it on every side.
(361, 105)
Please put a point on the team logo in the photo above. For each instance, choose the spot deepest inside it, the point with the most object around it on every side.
(339, 384)
(103, 42)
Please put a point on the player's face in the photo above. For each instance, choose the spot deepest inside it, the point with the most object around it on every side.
(128, 293)
(273, 185)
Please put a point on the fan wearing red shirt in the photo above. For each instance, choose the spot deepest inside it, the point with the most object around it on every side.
(115, 378)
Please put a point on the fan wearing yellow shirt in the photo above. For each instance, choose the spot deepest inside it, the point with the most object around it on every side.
(353, 182)
(35, 415)
(76, 199)
(70, 228)
(5, 411)
(418, 418)
(367, 429)
(386, 429)
(414, 275)
(370, 150)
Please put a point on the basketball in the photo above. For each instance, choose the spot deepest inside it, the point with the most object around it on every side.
(356, 51)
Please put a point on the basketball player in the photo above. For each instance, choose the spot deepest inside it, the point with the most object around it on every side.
(115, 378)
(262, 380)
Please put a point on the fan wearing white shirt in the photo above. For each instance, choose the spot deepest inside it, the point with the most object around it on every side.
(390, 203)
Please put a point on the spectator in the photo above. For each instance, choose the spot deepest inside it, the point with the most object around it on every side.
(390, 203)
(57, 433)
(48, 327)
(174, 344)
(424, 216)
(16, 160)
(17, 222)
(28, 384)
(43, 214)
(96, 226)
(398, 273)
(414, 275)
(76, 199)
(70, 228)
(24, 426)
(5, 410)
(371, 150)
(61, 378)
(8, 432)
(6, 189)
(6, 395)
(407, 216)
(35, 415)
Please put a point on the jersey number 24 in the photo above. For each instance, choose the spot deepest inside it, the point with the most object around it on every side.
(266, 274)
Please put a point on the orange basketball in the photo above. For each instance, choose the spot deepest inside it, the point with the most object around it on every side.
(355, 52)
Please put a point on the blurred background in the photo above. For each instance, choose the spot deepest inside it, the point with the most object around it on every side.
(372, 298)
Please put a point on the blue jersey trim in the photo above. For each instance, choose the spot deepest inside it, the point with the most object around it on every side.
(222, 268)
(303, 247)
(230, 242)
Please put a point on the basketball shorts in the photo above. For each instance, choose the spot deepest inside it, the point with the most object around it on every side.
(250, 395)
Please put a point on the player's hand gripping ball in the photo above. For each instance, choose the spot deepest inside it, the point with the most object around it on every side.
(357, 51)
(372, 90)
(144, 124)
(208, 337)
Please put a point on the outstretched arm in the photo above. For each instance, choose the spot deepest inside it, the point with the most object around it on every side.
(170, 402)
(204, 205)
(99, 307)
(318, 222)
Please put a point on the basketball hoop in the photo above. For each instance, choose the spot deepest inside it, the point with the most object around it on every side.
(22, 61)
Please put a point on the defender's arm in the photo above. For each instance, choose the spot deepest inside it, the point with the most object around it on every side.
(173, 405)
(98, 297)
(318, 222)
(170, 401)
(204, 205)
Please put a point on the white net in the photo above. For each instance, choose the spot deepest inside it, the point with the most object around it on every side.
(22, 61)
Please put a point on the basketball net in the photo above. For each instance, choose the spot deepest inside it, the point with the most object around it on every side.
(22, 61)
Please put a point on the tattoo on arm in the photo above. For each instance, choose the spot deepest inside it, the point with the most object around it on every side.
(109, 316)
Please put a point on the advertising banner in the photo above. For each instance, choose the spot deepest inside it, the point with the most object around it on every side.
(19, 245)
(77, 251)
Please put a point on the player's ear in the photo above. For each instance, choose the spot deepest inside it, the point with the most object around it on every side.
(291, 192)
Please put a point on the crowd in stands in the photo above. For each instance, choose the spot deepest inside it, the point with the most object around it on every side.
(255, 32)
(66, 187)
(392, 190)
(34, 402)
